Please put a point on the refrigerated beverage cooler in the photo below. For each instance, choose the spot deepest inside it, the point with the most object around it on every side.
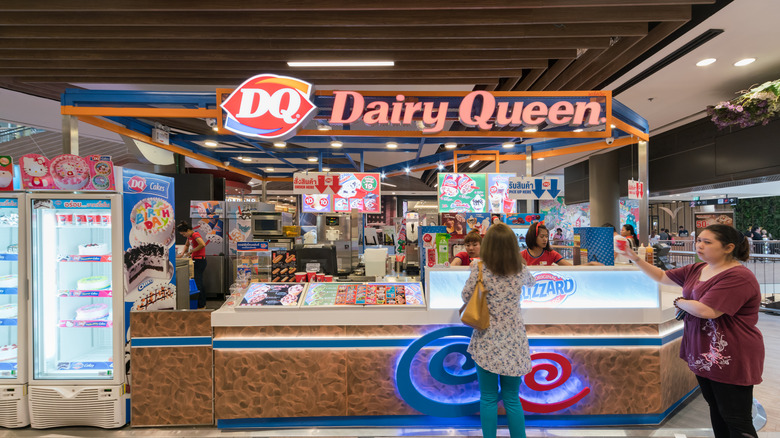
(14, 410)
(76, 307)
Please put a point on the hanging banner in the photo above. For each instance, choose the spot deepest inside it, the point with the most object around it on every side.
(534, 188)
(636, 189)
(66, 172)
(498, 193)
(462, 193)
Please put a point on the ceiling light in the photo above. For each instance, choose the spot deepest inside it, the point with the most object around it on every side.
(744, 62)
(326, 169)
(420, 124)
(436, 185)
(450, 145)
(531, 129)
(391, 144)
(508, 144)
(473, 163)
(382, 175)
(336, 144)
(441, 166)
(323, 127)
(408, 170)
(215, 128)
(540, 159)
(210, 143)
(578, 130)
(247, 159)
(612, 126)
(388, 184)
(340, 63)
(704, 62)
(269, 169)
(280, 144)
(312, 159)
(394, 193)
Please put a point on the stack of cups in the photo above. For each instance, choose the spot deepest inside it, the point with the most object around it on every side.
(300, 277)
(311, 276)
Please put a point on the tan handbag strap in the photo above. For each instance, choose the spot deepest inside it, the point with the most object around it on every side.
(480, 284)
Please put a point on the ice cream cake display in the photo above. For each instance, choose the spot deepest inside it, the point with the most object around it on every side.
(92, 312)
(8, 353)
(93, 249)
(9, 281)
(99, 282)
(145, 261)
(8, 311)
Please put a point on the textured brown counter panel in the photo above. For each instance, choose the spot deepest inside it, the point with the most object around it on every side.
(165, 323)
(280, 383)
(171, 386)
(678, 379)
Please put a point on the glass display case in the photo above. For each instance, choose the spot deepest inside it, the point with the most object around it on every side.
(12, 300)
(74, 282)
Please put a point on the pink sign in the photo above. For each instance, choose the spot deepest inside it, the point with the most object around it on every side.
(6, 173)
(35, 172)
(101, 171)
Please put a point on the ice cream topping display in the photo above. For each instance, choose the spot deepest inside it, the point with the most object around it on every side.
(93, 249)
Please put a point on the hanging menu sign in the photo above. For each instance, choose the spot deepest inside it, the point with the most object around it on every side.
(498, 193)
(339, 192)
(462, 193)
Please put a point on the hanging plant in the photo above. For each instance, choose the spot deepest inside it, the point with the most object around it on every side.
(756, 106)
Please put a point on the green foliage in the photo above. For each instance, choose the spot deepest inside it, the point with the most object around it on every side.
(758, 212)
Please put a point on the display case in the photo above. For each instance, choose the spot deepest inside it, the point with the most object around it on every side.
(12, 293)
(77, 327)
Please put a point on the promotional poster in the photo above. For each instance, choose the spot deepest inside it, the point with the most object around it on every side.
(149, 255)
(6, 173)
(208, 220)
(462, 193)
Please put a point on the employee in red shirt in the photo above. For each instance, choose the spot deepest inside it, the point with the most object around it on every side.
(473, 243)
(198, 254)
(539, 252)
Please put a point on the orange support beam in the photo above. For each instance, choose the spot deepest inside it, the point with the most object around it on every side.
(175, 149)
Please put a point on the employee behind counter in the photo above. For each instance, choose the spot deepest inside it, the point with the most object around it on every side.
(539, 251)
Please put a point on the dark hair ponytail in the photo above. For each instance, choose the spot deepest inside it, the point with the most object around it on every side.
(729, 235)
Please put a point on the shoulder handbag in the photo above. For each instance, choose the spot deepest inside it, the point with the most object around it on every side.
(475, 313)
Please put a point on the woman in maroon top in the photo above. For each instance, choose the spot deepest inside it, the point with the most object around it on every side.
(198, 254)
(721, 342)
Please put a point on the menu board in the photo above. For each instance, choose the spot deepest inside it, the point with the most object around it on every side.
(704, 220)
(364, 294)
(357, 191)
(283, 266)
(270, 294)
(316, 204)
(462, 193)
(498, 193)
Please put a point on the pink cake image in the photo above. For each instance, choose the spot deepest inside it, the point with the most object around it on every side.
(92, 312)
(70, 172)
(152, 222)
(8, 353)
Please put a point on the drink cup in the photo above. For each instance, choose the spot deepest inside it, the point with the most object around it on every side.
(105, 220)
(64, 219)
(621, 245)
(311, 275)
(320, 277)
(93, 219)
(509, 204)
(81, 219)
(328, 279)
(300, 277)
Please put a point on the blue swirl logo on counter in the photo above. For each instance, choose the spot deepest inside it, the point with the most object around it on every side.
(437, 376)
(549, 288)
(449, 387)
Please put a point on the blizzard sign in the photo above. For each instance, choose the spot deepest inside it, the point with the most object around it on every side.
(269, 107)
(549, 289)
(478, 109)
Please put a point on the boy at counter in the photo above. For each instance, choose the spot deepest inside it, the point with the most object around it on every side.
(473, 243)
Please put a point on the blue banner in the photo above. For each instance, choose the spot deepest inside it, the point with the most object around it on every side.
(79, 204)
(5, 203)
(252, 246)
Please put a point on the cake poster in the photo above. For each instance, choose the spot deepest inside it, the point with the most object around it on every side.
(6, 173)
(208, 220)
(35, 172)
(101, 172)
(239, 222)
(150, 230)
(462, 193)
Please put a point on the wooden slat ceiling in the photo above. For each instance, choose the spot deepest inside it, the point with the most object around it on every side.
(508, 45)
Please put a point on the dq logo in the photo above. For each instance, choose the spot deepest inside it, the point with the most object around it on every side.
(136, 183)
(549, 288)
(269, 106)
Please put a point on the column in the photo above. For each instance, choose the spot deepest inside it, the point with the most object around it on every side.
(604, 189)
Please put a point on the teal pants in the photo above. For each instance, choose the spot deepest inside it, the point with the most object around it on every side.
(488, 403)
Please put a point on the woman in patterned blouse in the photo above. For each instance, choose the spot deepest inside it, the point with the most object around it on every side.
(501, 351)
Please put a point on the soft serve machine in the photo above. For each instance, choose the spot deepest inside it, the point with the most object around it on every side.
(340, 230)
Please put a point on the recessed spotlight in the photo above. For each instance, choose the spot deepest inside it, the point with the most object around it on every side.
(744, 62)
(312, 159)
(280, 144)
(704, 62)
(269, 169)
(324, 127)
(508, 144)
(441, 166)
(612, 126)
(336, 144)
(326, 169)
(540, 159)
(215, 128)
(247, 159)
(473, 163)
(531, 129)
(436, 185)
(578, 130)
(408, 170)
(450, 145)
(382, 175)
(210, 143)
(391, 145)
(394, 193)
